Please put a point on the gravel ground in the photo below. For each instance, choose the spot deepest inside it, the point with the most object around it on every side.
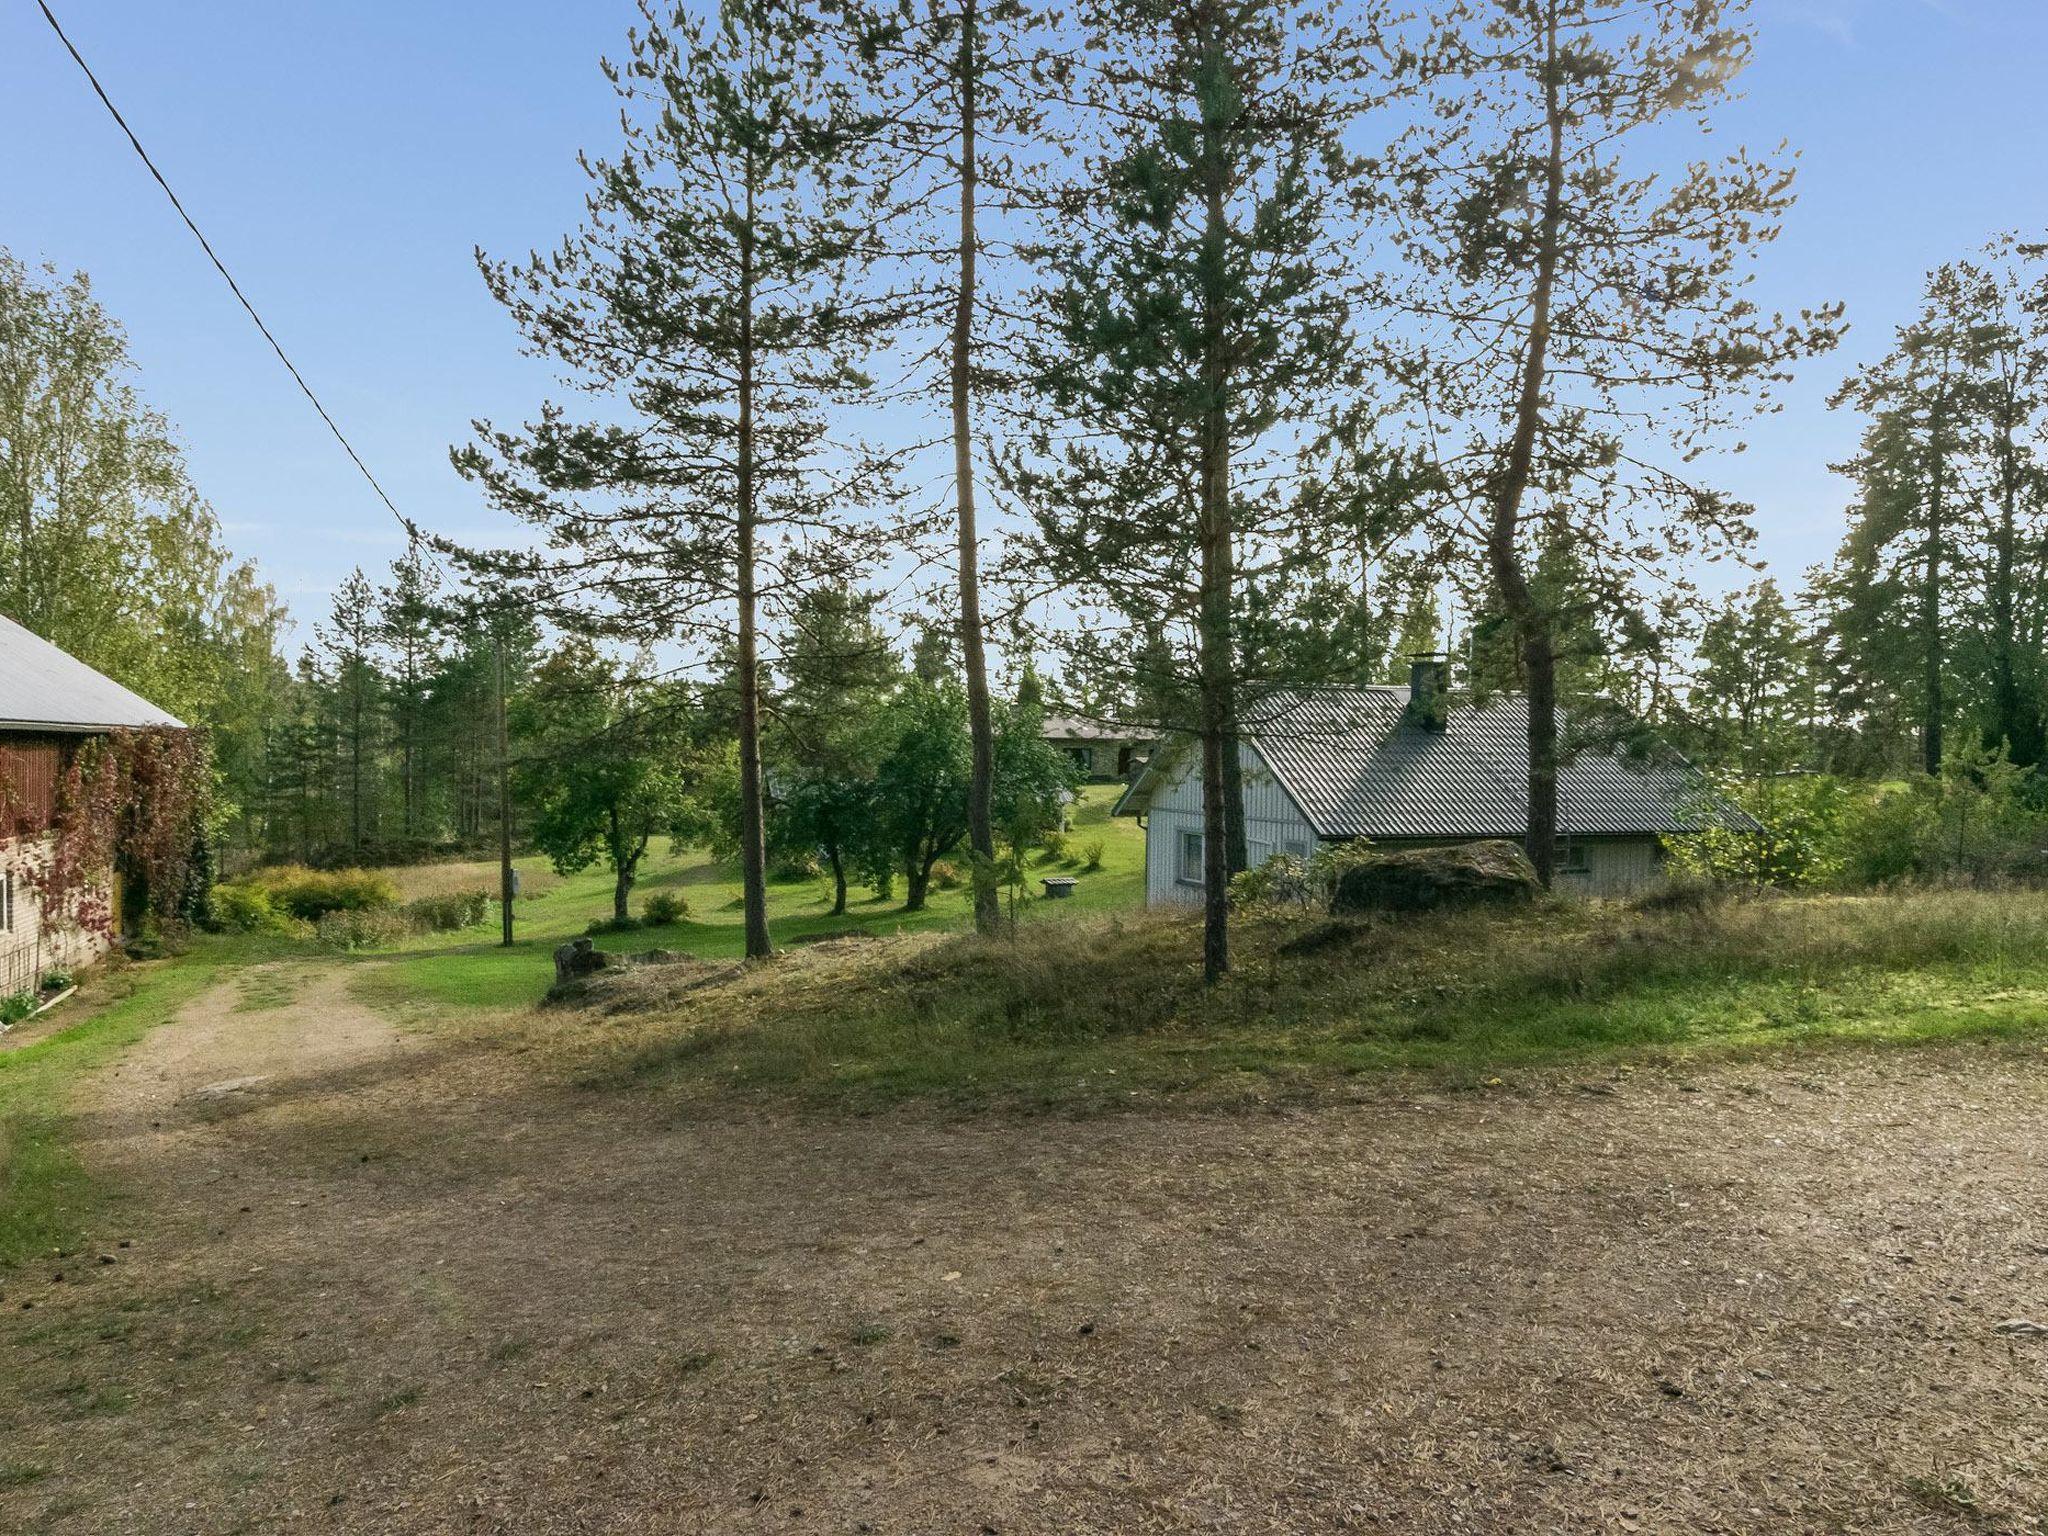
(368, 1282)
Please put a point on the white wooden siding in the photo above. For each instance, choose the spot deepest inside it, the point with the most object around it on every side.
(1619, 866)
(1271, 824)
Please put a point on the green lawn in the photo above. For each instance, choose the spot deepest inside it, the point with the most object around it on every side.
(472, 970)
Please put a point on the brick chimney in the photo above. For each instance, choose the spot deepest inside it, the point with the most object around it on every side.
(1429, 691)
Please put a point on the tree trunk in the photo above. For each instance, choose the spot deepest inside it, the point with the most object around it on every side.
(1236, 846)
(2018, 719)
(917, 875)
(1532, 624)
(981, 837)
(753, 828)
(1218, 662)
(838, 862)
(1935, 558)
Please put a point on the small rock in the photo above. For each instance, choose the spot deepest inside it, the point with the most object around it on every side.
(2023, 1326)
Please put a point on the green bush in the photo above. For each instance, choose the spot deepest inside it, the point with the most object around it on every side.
(243, 908)
(794, 865)
(347, 928)
(1054, 846)
(57, 981)
(1092, 852)
(946, 875)
(18, 1007)
(606, 925)
(664, 908)
(449, 913)
(310, 894)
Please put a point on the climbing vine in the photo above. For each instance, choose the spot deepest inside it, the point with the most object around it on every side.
(129, 807)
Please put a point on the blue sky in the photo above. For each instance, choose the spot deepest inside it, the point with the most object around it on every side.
(345, 160)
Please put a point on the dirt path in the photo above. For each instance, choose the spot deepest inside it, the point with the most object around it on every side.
(390, 1286)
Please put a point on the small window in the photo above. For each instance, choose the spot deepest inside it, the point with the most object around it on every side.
(1190, 858)
(7, 902)
(1572, 857)
(1294, 848)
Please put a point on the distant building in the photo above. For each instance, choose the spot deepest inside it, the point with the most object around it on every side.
(51, 704)
(1103, 750)
(1404, 768)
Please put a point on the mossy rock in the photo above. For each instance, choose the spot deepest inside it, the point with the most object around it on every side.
(1490, 873)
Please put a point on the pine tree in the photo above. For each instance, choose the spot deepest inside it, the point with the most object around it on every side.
(407, 632)
(356, 690)
(1196, 332)
(1576, 305)
(959, 82)
(710, 291)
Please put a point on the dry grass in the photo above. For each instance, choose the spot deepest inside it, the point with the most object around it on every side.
(397, 1287)
(1106, 1010)
(453, 879)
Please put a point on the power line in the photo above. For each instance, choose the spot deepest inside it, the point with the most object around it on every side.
(411, 529)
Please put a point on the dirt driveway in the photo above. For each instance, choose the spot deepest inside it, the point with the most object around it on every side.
(375, 1283)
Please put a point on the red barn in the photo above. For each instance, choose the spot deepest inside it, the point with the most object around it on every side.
(51, 704)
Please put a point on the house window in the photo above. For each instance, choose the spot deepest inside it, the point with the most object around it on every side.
(7, 902)
(1294, 848)
(1190, 872)
(1573, 857)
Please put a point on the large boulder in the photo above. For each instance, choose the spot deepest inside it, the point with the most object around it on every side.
(577, 959)
(1492, 873)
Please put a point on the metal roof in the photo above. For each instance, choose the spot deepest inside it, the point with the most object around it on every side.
(1357, 766)
(1085, 728)
(45, 689)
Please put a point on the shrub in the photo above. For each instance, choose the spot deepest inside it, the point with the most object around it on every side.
(1282, 881)
(57, 981)
(245, 909)
(1055, 845)
(664, 908)
(310, 894)
(795, 865)
(361, 929)
(448, 913)
(1092, 852)
(946, 875)
(606, 925)
(16, 1008)
(1799, 843)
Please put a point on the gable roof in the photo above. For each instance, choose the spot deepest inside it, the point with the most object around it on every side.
(45, 689)
(1357, 766)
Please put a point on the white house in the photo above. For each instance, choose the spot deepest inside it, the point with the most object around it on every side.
(1404, 767)
(51, 703)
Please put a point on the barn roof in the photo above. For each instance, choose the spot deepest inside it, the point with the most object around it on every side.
(1357, 766)
(45, 689)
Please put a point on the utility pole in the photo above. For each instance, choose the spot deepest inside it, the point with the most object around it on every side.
(504, 800)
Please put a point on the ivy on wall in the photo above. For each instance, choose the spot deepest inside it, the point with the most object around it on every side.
(130, 810)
